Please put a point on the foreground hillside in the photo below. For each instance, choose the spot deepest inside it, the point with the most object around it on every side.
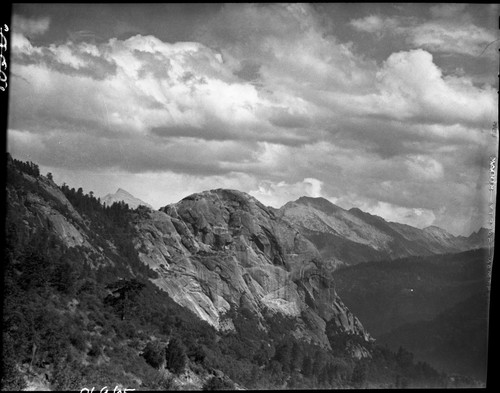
(213, 292)
(436, 306)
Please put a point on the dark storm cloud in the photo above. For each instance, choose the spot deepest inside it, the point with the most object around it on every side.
(137, 155)
(215, 130)
(170, 131)
(282, 118)
(249, 71)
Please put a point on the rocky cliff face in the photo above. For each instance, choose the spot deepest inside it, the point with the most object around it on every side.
(222, 249)
(346, 237)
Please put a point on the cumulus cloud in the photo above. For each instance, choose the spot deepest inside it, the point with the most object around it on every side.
(185, 87)
(410, 86)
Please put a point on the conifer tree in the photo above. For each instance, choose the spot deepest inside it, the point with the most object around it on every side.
(176, 356)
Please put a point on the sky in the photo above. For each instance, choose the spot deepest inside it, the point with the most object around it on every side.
(390, 108)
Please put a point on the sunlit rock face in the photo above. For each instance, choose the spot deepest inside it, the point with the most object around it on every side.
(222, 249)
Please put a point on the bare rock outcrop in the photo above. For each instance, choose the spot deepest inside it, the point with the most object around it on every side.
(222, 249)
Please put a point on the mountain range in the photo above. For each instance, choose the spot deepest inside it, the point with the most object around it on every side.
(248, 291)
(346, 237)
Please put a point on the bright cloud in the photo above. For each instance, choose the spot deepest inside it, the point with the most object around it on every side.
(411, 86)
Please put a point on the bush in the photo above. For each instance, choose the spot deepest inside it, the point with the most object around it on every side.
(125, 329)
(66, 376)
(78, 342)
(218, 383)
(12, 379)
(196, 353)
(162, 382)
(154, 354)
(95, 350)
(176, 356)
(359, 374)
(135, 343)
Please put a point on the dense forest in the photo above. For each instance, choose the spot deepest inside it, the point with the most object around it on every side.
(436, 306)
(73, 321)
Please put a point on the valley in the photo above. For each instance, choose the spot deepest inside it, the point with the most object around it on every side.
(436, 306)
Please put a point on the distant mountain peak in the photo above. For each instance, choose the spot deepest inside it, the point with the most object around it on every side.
(319, 203)
(353, 236)
(481, 233)
(121, 191)
(124, 196)
(435, 228)
(309, 198)
(360, 213)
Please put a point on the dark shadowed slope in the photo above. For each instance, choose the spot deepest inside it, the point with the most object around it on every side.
(426, 304)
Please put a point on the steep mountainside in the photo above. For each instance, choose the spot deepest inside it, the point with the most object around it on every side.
(346, 237)
(388, 294)
(123, 196)
(435, 306)
(222, 249)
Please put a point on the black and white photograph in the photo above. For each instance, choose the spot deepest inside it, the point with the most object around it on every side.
(248, 196)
